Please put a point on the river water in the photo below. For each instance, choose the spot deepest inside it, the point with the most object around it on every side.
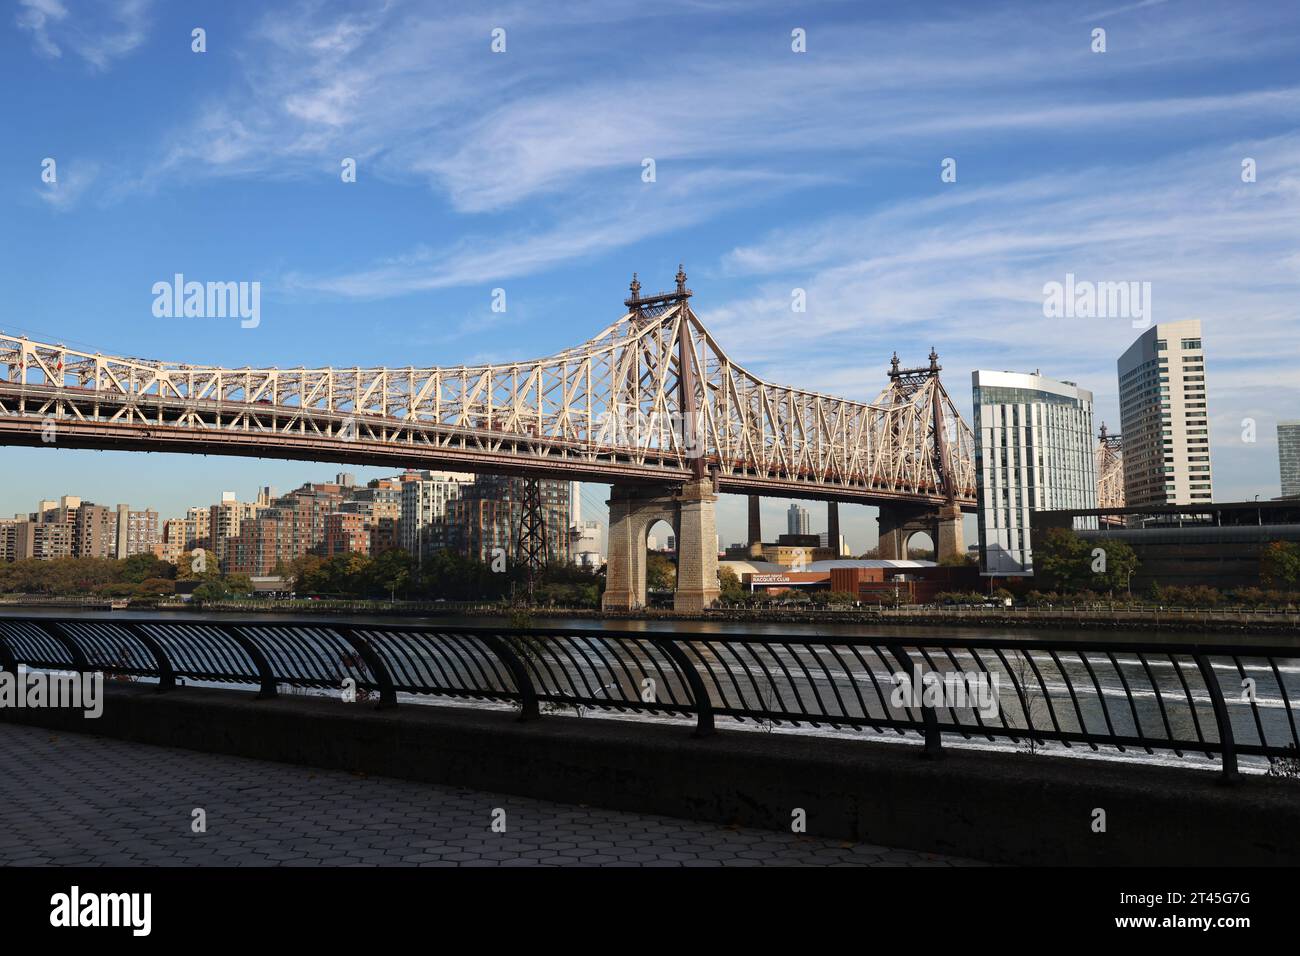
(794, 629)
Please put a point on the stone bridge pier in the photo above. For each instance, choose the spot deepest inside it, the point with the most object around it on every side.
(898, 523)
(689, 510)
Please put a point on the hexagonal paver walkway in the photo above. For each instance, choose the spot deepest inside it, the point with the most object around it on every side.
(74, 800)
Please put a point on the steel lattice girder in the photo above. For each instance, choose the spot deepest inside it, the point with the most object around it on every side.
(610, 407)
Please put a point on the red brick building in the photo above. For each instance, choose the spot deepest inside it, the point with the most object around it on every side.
(347, 533)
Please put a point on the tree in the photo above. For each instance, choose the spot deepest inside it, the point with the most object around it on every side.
(1060, 559)
(1067, 562)
(389, 574)
(729, 586)
(239, 584)
(454, 577)
(1279, 564)
(209, 565)
(300, 567)
(660, 572)
(140, 567)
(1120, 563)
(211, 591)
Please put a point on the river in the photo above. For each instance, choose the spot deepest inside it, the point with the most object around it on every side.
(793, 629)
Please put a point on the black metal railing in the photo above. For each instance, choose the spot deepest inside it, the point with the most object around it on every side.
(1188, 698)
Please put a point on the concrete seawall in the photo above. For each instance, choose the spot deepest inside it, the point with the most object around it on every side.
(1001, 807)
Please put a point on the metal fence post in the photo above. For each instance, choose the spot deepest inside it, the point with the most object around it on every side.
(264, 673)
(60, 634)
(703, 704)
(166, 673)
(1227, 742)
(387, 693)
(933, 738)
(528, 709)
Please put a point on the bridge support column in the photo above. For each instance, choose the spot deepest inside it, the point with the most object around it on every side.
(697, 547)
(755, 540)
(625, 566)
(690, 513)
(899, 522)
(833, 527)
(948, 542)
(897, 525)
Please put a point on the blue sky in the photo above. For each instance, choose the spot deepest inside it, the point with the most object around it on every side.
(774, 170)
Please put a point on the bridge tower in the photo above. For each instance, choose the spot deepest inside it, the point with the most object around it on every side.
(897, 523)
(689, 507)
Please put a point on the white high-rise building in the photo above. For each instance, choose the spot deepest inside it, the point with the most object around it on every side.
(1164, 419)
(584, 536)
(797, 520)
(1288, 457)
(1033, 452)
(840, 547)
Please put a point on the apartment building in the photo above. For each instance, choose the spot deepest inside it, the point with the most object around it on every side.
(1165, 418)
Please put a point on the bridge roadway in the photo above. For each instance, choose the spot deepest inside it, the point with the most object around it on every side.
(78, 800)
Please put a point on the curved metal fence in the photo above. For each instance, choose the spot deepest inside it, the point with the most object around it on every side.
(1188, 698)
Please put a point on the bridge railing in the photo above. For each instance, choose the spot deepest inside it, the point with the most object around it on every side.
(1186, 698)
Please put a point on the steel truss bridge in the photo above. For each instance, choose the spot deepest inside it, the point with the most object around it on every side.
(652, 398)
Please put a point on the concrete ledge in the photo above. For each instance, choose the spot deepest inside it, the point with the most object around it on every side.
(1008, 808)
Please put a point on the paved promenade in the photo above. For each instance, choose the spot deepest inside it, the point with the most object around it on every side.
(74, 800)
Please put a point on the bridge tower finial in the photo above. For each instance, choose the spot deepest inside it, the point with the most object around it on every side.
(893, 365)
(934, 360)
(635, 287)
(681, 279)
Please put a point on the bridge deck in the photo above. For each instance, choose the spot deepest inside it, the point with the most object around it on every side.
(76, 800)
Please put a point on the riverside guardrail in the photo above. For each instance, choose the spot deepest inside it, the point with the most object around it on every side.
(1188, 698)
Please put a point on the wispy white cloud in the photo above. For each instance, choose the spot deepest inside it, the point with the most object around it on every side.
(423, 98)
(1117, 11)
(98, 33)
(40, 16)
(637, 213)
(73, 180)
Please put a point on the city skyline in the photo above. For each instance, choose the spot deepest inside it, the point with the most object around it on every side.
(1142, 352)
(476, 516)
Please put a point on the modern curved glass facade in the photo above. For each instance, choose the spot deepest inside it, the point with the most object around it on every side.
(1033, 452)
